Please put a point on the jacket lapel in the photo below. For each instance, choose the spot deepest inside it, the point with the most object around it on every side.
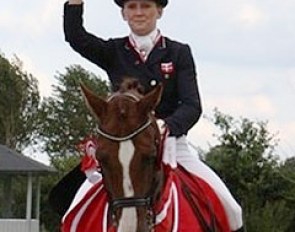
(131, 54)
(156, 55)
(158, 52)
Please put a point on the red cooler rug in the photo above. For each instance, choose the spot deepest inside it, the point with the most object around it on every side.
(187, 204)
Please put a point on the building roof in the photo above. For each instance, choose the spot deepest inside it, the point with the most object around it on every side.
(13, 162)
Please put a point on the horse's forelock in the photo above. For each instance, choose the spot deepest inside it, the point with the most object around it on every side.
(131, 84)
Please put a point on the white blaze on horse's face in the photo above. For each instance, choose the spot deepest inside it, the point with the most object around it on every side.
(128, 220)
(126, 152)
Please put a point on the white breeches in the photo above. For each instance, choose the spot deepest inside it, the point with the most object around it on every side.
(178, 148)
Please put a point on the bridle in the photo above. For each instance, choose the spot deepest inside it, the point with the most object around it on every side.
(145, 201)
(132, 134)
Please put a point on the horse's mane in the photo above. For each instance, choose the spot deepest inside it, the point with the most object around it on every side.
(131, 84)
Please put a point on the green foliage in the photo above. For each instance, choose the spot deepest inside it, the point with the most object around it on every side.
(19, 104)
(244, 159)
(65, 118)
(273, 217)
(287, 177)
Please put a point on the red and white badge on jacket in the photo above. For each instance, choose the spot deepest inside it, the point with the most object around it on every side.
(167, 69)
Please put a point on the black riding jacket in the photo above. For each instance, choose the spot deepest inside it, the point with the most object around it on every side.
(170, 63)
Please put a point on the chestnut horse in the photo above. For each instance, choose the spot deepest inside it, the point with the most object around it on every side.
(128, 148)
(138, 193)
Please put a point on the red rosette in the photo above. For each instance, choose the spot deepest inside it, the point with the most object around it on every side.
(88, 147)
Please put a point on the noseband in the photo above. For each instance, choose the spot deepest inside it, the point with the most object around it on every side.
(126, 202)
(127, 137)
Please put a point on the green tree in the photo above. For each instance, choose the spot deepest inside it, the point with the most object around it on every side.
(245, 160)
(66, 121)
(287, 174)
(19, 105)
(19, 108)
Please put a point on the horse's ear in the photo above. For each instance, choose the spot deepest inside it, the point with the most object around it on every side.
(150, 101)
(94, 103)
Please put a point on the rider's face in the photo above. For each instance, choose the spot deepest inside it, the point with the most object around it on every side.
(141, 15)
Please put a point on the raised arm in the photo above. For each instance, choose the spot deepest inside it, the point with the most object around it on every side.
(93, 48)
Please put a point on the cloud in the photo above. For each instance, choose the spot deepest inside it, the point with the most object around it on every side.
(41, 18)
(285, 133)
(250, 15)
(7, 20)
(252, 106)
(44, 80)
(255, 33)
(201, 135)
(291, 80)
(4, 18)
(32, 21)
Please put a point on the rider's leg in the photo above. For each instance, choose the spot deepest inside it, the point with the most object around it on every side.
(191, 162)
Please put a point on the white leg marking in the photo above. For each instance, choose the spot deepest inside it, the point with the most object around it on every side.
(128, 221)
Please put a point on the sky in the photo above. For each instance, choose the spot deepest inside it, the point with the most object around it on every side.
(244, 51)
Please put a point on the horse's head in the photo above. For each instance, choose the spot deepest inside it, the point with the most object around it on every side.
(128, 145)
